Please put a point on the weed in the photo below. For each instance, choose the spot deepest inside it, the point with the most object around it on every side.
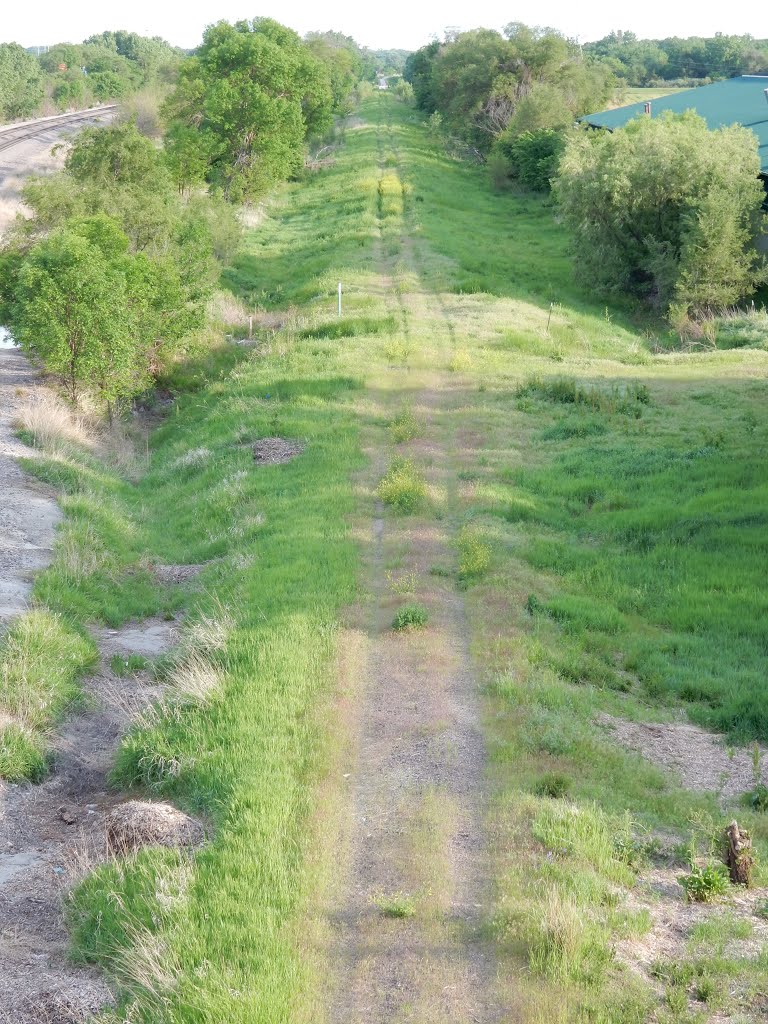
(474, 554)
(705, 884)
(128, 665)
(405, 426)
(758, 798)
(397, 905)
(404, 584)
(403, 487)
(554, 784)
(410, 616)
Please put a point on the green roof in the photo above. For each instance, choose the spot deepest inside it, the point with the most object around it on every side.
(736, 101)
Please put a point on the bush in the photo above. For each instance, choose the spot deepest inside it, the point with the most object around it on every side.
(699, 256)
(410, 616)
(403, 487)
(405, 426)
(705, 884)
(474, 555)
(758, 798)
(533, 157)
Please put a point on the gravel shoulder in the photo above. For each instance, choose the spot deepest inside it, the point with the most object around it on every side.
(29, 514)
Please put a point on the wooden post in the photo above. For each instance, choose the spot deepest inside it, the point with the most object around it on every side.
(739, 858)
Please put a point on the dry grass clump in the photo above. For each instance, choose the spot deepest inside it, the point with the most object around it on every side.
(51, 423)
(224, 308)
(194, 457)
(138, 823)
(195, 679)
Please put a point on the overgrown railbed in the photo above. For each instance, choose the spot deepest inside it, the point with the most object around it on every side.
(609, 537)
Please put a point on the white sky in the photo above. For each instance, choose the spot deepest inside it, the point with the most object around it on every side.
(378, 24)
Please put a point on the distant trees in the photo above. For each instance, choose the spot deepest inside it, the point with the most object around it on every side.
(484, 83)
(641, 62)
(244, 106)
(665, 210)
(113, 269)
(21, 83)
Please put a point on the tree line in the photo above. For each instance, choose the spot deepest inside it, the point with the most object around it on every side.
(691, 61)
(664, 210)
(108, 277)
(109, 66)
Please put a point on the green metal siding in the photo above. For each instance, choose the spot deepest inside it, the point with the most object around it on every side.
(735, 101)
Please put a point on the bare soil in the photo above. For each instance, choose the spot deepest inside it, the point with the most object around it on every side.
(416, 773)
(28, 512)
(53, 833)
(272, 451)
(701, 760)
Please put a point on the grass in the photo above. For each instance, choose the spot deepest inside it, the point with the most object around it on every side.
(410, 616)
(606, 501)
(397, 905)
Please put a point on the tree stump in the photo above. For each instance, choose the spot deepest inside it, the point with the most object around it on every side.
(739, 858)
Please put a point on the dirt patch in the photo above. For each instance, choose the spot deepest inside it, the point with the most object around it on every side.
(138, 823)
(272, 451)
(53, 833)
(175, 574)
(700, 759)
(29, 514)
(148, 638)
(673, 919)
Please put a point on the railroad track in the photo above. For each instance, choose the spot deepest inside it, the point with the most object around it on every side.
(15, 134)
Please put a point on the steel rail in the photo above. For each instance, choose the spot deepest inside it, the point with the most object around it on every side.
(21, 133)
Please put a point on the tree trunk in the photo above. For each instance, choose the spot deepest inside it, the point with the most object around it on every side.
(739, 859)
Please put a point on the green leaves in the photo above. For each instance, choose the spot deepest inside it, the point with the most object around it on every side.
(244, 106)
(665, 209)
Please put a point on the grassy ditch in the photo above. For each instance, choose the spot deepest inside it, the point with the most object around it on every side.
(217, 936)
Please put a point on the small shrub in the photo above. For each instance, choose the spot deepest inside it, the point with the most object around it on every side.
(758, 798)
(403, 488)
(405, 426)
(398, 905)
(705, 884)
(474, 555)
(460, 362)
(553, 784)
(21, 755)
(410, 616)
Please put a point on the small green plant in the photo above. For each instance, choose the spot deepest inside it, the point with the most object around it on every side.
(758, 798)
(128, 666)
(474, 554)
(705, 884)
(404, 584)
(397, 905)
(405, 426)
(554, 784)
(404, 487)
(410, 616)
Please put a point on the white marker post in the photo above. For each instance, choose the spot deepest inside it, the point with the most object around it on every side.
(339, 298)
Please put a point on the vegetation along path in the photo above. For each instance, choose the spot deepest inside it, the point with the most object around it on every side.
(458, 572)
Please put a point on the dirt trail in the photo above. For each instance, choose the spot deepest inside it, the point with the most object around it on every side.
(28, 512)
(417, 784)
(51, 834)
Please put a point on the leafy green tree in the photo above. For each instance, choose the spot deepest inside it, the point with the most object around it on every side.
(254, 93)
(70, 311)
(21, 83)
(665, 209)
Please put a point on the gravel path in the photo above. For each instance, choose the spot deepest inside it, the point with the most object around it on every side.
(28, 512)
